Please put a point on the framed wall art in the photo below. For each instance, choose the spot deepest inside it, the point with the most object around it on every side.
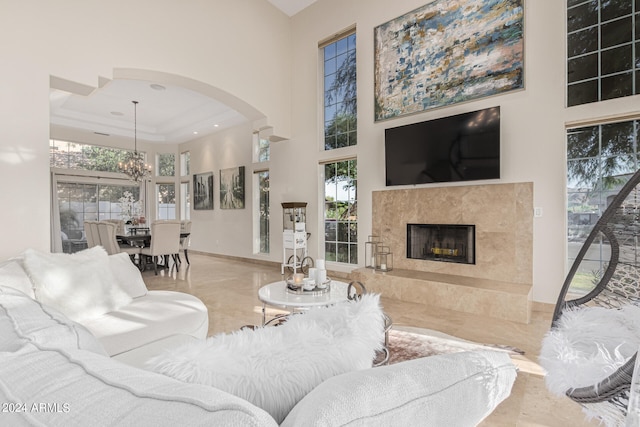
(446, 52)
(203, 191)
(232, 188)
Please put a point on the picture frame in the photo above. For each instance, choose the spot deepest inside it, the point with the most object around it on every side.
(203, 191)
(232, 188)
(447, 52)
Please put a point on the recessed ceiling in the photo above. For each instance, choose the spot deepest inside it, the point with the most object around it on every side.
(165, 113)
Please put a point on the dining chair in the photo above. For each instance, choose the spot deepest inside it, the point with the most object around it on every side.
(185, 227)
(91, 233)
(88, 233)
(119, 225)
(107, 231)
(165, 242)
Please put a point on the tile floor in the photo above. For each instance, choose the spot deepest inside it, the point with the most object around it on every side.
(229, 289)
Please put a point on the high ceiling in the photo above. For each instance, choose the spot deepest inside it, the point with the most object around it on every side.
(165, 113)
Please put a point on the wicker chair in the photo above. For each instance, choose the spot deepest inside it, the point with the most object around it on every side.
(618, 286)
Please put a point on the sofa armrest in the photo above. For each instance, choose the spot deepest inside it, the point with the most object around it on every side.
(458, 389)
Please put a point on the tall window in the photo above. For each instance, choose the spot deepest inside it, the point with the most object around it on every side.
(71, 155)
(185, 161)
(262, 187)
(166, 164)
(340, 102)
(602, 36)
(264, 150)
(166, 201)
(341, 211)
(185, 201)
(601, 159)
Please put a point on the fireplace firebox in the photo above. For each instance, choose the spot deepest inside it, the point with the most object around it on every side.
(442, 242)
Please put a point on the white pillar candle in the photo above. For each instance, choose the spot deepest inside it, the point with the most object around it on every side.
(313, 273)
(321, 276)
(320, 264)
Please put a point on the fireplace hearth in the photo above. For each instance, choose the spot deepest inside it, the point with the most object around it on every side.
(441, 242)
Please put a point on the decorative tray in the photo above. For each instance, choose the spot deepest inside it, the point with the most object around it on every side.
(298, 289)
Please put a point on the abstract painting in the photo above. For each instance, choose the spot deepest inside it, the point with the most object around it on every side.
(446, 52)
(203, 190)
(232, 188)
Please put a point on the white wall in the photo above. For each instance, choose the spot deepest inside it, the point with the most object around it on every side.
(223, 231)
(533, 120)
(241, 47)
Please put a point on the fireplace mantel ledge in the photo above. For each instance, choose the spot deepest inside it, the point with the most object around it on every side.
(493, 298)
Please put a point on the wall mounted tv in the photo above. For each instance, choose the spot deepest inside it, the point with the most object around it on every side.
(464, 147)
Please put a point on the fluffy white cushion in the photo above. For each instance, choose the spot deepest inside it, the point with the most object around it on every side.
(127, 275)
(589, 344)
(79, 285)
(24, 320)
(12, 274)
(458, 389)
(274, 367)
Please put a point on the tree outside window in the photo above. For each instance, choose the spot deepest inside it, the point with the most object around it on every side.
(166, 164)
(341, 212)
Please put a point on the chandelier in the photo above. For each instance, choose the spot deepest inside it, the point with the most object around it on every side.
(133, 165)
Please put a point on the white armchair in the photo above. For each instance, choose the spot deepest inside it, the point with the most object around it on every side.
(165, 241)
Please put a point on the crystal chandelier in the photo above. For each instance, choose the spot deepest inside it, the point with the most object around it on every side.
(134, 166)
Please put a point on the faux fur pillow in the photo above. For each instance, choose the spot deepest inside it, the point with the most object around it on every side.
(588, 345)
(275, 367)
(79, 285)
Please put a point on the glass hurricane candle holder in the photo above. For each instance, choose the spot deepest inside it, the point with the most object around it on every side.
(384, 259)
(370, 249)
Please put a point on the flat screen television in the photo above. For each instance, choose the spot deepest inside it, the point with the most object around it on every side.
(464, 147)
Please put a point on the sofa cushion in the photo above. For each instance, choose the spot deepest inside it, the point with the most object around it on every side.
(127, 275)
(81, 388)
(25, 320)
(80, 285)
(458, 389)
(12, 274)
(274, 367)
(156, 315)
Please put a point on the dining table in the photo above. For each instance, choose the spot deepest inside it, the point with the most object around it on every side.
(143, 240)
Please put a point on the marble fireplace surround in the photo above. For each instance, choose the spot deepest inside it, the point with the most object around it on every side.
(498, 285)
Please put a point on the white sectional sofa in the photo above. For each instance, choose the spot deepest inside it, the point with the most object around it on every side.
(56, 372)
(111, 299)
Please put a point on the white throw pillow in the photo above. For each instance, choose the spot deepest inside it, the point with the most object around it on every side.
(127, 275)
(12, 274)
(80, 285)
(458, 389)
(275, 367)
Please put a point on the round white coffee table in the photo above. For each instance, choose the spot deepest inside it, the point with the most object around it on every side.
(276, 294)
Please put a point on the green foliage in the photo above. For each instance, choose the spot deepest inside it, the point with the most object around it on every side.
(600, 156)
(166, 165)
(101, 159)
